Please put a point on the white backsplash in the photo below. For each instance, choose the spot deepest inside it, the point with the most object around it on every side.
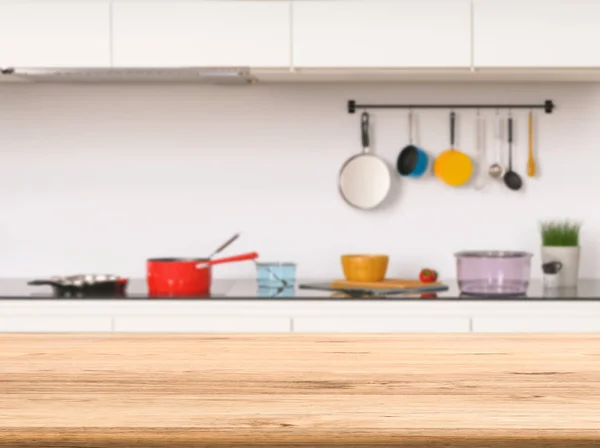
(96, 178)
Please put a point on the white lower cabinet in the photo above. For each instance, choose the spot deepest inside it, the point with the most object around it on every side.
(200, 324)
(55, 324)
(562, 324)
(278, 318)
(381, 324)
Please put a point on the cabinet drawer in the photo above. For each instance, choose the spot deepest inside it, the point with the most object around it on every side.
(55, 324)
(536, 325)
(218, 324)
(381, 324)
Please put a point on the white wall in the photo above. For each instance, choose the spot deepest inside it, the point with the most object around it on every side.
(97, 178)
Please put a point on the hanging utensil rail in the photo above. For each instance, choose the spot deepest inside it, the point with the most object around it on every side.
(548, 106)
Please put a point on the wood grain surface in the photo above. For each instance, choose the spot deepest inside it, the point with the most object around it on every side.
(299, 390)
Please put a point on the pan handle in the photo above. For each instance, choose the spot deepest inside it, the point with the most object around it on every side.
(43, 283)
(510, 140)
(242, 257)
(410, 126)
(452, 120)
(364, 122)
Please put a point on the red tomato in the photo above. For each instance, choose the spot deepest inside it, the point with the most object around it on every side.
(428, 275)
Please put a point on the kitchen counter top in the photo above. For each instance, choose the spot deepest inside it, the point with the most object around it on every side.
(466, 391)
(588, 289)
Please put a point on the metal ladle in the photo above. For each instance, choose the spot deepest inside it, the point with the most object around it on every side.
(496, 170)
(511, 178)
(480, 182)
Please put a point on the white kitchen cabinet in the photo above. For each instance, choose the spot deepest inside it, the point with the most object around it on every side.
(416, 33)
(202, 324)
(561, 324)
(54, 34)
(534, 33)
(55, 324)
(201, 34)
(369, 324)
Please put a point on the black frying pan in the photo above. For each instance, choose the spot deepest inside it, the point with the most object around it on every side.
(84, 286)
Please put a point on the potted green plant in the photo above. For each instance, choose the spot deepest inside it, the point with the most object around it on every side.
(560, 242)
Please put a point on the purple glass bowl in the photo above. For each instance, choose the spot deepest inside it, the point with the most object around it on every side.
(493, 273)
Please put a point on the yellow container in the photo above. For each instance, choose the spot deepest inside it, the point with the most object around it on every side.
(365, 268)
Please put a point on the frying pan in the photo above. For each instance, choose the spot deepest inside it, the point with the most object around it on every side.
(412, 160)
(452, 166)
(85, 285)
(364, 179)
(174, 277)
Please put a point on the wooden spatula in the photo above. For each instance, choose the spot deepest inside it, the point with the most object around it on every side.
(530, 161)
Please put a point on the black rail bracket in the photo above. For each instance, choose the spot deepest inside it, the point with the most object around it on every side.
(351, 106)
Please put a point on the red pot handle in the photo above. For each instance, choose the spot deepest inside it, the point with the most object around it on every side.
(242, 257)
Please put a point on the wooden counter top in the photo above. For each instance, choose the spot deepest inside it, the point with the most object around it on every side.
(434, 391)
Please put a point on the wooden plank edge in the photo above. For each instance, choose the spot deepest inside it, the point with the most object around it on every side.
(288, 437)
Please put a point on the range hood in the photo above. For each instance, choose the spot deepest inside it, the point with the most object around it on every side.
(202, 75)
(254, 75)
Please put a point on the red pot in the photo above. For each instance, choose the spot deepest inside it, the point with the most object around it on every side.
(184, 276)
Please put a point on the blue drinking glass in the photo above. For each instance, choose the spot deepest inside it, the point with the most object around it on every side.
(283, 271)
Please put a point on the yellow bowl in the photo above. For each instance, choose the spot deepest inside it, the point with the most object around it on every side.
(365, 268)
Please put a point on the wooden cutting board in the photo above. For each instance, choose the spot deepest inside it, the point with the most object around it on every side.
(390, 283)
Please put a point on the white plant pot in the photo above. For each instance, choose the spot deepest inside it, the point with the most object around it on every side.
(568, 276)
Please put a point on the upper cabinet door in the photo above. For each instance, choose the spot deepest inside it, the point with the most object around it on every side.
(534, 33)
(374, 33)
(54, 34)
(208, 33)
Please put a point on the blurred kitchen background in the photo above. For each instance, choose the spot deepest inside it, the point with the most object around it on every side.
(97, 178)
